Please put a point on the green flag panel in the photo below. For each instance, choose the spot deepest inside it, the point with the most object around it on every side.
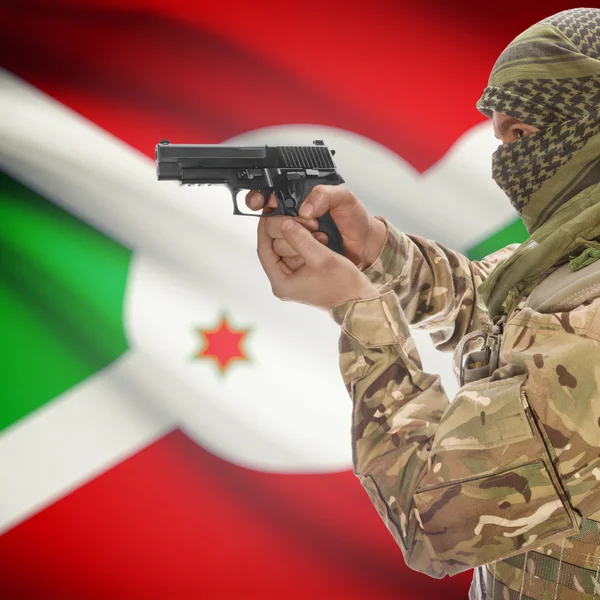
(511, 234)
(62, 286)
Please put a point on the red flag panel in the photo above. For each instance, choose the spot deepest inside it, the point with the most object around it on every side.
(174, 521)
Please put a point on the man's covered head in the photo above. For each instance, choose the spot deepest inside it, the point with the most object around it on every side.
(550, 73)
(548, 78)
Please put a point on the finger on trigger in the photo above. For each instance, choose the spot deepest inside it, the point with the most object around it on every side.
(254, 200)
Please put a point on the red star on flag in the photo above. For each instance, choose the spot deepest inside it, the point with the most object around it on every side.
(223, 344)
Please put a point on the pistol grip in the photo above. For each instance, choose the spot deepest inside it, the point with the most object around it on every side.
(326, 223)
(290, 201)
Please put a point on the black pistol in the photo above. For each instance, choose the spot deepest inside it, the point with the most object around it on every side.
(289, 172)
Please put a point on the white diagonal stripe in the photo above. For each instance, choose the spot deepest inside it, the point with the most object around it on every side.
(77, 436)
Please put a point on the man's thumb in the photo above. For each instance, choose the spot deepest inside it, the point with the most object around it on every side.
(317, 202)
(302, 240)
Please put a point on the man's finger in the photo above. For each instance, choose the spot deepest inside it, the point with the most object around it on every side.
(254, 200)
(321, 237)
(321, 199)
(283, 249)
(286, 268)
(273, 225)
(294, 262)
(302, 241)
(272, 201)
(268, 258)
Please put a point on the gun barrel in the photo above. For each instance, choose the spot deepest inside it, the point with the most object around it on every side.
(173, 159)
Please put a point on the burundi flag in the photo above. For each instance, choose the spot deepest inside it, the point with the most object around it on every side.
(168, 428)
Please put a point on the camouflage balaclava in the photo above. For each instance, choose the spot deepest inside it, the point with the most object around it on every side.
(548, 77)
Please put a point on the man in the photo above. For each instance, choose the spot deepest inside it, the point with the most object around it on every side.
(504, 478)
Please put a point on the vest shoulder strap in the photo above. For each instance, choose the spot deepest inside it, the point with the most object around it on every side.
(563, 289)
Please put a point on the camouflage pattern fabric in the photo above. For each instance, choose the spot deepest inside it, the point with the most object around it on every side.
(565, 238)
(537, 574)
(548, 77)
(511, 464)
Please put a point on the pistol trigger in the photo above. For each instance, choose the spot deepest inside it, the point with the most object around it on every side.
(266, 194)
(281, 204)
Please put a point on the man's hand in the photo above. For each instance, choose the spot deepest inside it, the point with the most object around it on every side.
(363, 236)
(325, 279)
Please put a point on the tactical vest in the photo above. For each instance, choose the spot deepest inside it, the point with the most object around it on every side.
(569, 569)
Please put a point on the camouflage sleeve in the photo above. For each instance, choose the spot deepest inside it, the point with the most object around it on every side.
(457, 484)
(434, 285)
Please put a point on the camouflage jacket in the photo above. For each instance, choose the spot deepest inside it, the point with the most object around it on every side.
(512, 463)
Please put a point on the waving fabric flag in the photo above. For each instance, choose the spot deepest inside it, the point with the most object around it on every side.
(168, 428)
